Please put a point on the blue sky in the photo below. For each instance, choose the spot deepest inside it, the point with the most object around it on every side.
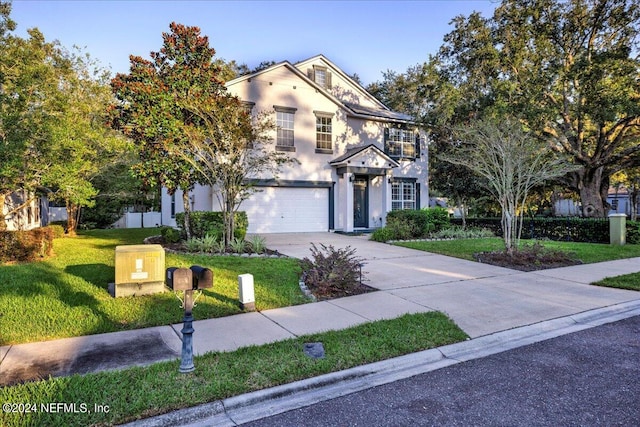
(363, 37)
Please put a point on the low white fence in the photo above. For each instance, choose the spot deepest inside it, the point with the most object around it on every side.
(139, 220)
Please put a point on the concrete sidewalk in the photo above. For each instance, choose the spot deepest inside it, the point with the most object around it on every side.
(480, 298)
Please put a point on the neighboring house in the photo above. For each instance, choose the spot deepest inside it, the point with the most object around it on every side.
(358, 159)
(32, 215)
(618, 200)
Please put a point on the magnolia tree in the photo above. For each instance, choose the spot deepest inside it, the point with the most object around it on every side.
(512, 162)
(151, 107)
(229, 150)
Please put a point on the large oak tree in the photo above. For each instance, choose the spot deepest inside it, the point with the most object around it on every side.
(569, 69)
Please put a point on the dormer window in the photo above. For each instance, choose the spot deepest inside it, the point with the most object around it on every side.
(321, 76)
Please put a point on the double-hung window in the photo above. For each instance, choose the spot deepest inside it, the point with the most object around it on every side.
(324, 132)
(401, 143)
(321, 76)
(403, 195)
(285, 126)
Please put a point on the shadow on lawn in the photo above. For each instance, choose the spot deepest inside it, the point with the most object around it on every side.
(99, 275)
(22, 288)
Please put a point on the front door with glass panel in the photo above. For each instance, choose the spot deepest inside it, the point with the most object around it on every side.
(361, 202)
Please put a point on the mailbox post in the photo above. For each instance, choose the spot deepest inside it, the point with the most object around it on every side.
(188, 280)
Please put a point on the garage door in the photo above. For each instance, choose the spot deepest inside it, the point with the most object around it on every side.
(287, 210)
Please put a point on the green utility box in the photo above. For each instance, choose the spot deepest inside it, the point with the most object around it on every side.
(618, 229)
(139, 270)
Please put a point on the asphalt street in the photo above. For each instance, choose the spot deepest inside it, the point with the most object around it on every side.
(588, 378)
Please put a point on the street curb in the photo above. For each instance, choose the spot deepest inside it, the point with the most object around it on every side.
(256, 405)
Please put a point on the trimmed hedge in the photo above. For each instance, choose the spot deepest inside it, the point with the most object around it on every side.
(207, 222)
(570, 229)
(25, 246)
(412, 224)
(633, 232)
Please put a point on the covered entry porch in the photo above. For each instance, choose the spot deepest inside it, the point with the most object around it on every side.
(363, 188)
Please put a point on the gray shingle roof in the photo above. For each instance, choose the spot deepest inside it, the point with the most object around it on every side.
(378, 112)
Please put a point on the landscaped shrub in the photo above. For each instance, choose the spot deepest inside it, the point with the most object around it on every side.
(257, 244)
(633, 232)
(383, 234)
(62, 224)
(207, 222)
(331, 270)
(170, 234)
(24, 246)
(238, 245)
(456, 232)
(57, 230)
(413, 224)
(208, 244)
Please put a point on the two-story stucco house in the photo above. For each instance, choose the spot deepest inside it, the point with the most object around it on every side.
(358, 160)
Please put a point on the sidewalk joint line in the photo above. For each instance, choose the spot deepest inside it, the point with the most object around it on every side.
(273, 321)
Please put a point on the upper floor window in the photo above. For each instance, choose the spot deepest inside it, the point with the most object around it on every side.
(285, 128)
(321, 76)
(324, 132)
(401, 143)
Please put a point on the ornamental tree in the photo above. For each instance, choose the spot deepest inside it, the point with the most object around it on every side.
(511, 162)
(229, 150)
(152, 108)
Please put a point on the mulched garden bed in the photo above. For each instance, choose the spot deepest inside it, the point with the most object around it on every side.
(528, 258)
(360, 288)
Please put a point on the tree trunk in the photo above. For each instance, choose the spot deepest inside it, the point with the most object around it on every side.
(187, 213)
(507, 230)
(633, 200)
(228, 218)
(590, 184)
(3, 220)
(71, 218)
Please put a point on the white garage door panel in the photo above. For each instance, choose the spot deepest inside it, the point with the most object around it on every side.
(287, 210)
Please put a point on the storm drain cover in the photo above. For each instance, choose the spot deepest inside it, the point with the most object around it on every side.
(315, 350)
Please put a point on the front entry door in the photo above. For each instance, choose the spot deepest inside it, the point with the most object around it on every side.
(361, 202)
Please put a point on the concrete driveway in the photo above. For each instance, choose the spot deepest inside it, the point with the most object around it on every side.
(480, 298)
(387, 266)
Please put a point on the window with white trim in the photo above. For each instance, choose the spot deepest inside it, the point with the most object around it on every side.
(324, 133)
(403, 195)
(401, 143)
(321, 76)
(284, 127)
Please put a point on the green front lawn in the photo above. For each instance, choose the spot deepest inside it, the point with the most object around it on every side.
(465, 248)
(67, 294)
(143, 392)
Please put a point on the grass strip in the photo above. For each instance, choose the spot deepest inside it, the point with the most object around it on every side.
(67, 294)
(626, 281)
(465, 248)
(147, 391)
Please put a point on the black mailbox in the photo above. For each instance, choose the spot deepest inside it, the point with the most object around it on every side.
(179, 279)
(202, 277)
